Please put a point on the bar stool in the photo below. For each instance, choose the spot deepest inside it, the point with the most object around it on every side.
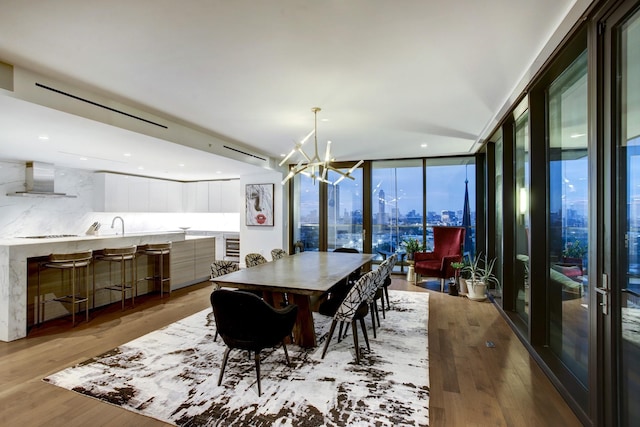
(156, 252)
(120, 256)
(71, 262)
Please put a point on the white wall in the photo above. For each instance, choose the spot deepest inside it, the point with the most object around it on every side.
(261, 239)
(24, 216)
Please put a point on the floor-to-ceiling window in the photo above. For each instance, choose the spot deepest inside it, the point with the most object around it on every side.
(306, 213)
(345, 211)
(325, 216)
(522, 280)
(451, 197)
(396, 204)
(568, 218)
(499, 211)
(626, 335)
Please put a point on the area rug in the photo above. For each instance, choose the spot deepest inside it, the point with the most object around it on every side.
(171, 374)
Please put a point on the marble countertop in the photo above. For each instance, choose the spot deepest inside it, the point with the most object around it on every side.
(25, 241)
(14, 255)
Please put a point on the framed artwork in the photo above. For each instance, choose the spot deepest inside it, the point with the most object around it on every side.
(259, 204)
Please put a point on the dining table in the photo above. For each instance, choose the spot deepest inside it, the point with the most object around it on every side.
(300, 276)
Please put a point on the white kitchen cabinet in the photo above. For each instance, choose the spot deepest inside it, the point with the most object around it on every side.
(230, 196)
(127, 193)
(214, 196)
(138, 194)
(165, 196)
(157, 195)
(174, 196)
(111, 192)
(196, 196)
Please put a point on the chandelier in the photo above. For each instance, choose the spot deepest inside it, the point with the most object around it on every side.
(313, 166)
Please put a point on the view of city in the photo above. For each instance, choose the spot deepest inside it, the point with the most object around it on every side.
(397, 207)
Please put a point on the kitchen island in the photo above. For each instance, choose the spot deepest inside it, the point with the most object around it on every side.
(14, 260)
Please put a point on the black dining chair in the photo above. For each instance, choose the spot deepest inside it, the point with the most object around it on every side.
(387, 282)
(246, 322)
(354, 308)
(220, 268)
(334, 296)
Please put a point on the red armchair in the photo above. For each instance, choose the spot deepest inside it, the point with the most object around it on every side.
(447, 242)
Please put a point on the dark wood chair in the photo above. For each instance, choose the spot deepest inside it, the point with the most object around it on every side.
(246, 322)
(447, 242)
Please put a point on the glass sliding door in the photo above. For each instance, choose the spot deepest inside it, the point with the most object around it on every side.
(499, 212)
(522, 224)
(568, 218)
(626, 334)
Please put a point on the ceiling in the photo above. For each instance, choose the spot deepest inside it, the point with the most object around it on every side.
(415, 79)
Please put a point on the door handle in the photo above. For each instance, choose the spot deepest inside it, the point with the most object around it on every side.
(604, 292)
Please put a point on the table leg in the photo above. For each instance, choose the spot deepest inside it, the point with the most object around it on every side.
(304, 333)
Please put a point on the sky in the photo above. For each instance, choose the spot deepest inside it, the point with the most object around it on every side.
(445, 189)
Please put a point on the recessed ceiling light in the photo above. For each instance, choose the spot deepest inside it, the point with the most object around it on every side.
(423, 145)
(324, 120)
(43, 137)
(282, 154)
(83, 158)
(127, 154)
(141, 168)
(181, 165)
(218, 171)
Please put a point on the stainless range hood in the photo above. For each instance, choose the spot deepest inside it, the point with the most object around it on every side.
(39, 177)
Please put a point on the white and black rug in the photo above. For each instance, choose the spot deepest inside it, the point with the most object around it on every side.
(172, 374)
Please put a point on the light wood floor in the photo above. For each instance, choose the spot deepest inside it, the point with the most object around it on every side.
(471, 384)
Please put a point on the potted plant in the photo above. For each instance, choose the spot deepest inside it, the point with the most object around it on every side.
(574, 253)
(479, 273)
(457, 266)
(411, 246)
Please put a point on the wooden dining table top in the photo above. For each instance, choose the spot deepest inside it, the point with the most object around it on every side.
(305, 273)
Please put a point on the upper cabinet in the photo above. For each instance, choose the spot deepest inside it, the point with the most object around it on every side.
(125, 193)
(224, 196)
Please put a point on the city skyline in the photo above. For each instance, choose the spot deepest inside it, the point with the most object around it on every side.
(445, 190)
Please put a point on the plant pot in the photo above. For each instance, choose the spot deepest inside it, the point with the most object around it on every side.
(476, 291)
(462, 285)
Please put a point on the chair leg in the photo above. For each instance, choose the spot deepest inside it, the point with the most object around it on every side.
(286, 353)
(375, 308)
(373, 317)
(364, 332)
(340, 336)
(331, 330)
(355, 340)
(386, 294)
(258, 371)
(215, 337)
(224, 364)
(384, 316)
(441, 285)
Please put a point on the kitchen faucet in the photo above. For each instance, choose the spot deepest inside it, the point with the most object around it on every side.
(114, 221)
